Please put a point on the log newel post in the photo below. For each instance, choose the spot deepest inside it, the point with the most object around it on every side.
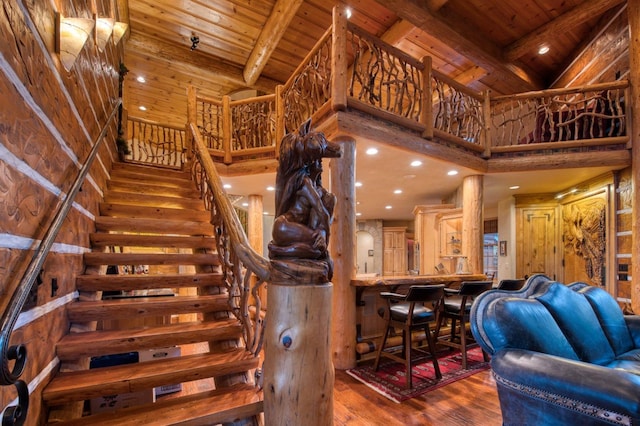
(298, 372)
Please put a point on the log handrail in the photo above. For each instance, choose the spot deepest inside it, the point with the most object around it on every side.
(18, 353)
(239, 261)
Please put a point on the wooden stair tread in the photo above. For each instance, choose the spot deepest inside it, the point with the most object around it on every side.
(153, 200)
(146, 282)
(98, 258)
(80, 385)
(159, 241)
(160, 226)
(150, 181)
(120, 168)
(130, 307)
(211, 407)
(133, 211)
(105, 342)
(151, 189)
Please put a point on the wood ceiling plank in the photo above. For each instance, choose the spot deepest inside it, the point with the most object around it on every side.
(483, 53)
(195, 62)
(560, 25)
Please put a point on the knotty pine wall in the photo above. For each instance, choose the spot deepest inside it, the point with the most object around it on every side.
(50, 120)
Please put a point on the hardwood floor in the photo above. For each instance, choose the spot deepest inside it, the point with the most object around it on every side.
(472, 401)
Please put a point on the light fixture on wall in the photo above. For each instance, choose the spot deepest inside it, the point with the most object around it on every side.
(194, 41)
(119, 30)
(104, 29)
(71, 34)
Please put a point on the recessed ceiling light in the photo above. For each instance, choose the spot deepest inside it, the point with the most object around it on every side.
(416, 163)
(358, 184)
(388, 207)
(270, 188)
(348, 12)
(372, 151)
(245, 204)
(514, 187)
(452, 172)
(358, 214)
(265, 213)
(141, 79)
(142, 108)
(398, 191)
(543, 49)
(226, 186)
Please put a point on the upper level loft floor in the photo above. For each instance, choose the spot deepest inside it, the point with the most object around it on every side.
(543, 141)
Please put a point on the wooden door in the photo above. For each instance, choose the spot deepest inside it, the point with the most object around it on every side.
(538, 242)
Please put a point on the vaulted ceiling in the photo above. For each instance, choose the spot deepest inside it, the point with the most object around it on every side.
(257, 44)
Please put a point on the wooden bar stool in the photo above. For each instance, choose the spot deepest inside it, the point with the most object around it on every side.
(408, 312)
(456, 306)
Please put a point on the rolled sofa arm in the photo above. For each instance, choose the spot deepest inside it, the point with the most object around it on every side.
(633, 322)
(535, 388)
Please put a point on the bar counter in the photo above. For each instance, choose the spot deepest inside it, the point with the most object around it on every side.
(393, 281)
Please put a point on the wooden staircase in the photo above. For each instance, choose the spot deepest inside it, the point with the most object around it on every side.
(153, 217)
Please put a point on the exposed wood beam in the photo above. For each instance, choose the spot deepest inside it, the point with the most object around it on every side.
(397, 32)
(273, 30)
(470, 75)
(435, 5)
(173, 53)
(401, 29)
(481, 52)
(561, 24)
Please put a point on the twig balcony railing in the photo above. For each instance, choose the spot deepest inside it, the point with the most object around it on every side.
(349, 69)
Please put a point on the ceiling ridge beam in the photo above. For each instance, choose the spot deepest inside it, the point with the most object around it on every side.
(561, 24)
(283, 12)
(483, 53)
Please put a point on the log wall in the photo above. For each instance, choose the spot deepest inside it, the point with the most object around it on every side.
(50, 120)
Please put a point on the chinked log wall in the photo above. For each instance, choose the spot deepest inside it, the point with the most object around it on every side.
(50, 119)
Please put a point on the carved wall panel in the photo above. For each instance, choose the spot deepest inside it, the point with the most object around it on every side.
(584, 238)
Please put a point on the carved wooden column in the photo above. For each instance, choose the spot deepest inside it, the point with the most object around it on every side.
(298, 367)
(633, 10)
(472, 222)
(342, 250)
(255, 234)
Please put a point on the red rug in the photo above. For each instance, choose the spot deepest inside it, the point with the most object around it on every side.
(389, 380)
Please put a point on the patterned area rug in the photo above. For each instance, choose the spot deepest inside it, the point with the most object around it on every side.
(389, 380)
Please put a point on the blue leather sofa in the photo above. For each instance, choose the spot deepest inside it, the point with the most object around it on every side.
(560, 354)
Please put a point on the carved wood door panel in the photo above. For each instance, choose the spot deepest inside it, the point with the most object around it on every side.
(538, 237)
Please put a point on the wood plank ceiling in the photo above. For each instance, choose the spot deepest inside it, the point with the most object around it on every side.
(256, 44)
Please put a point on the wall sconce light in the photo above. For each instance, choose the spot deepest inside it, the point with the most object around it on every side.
(71, 34)
(119, 30)
(194, 42)
(104, 29)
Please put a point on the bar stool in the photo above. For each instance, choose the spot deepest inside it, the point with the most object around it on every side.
(407, 311)
(510, 284)
(456, 307)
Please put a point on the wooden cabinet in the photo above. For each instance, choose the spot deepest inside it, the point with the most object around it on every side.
(394, 260)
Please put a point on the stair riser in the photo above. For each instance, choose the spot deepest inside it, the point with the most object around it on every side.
(153, 201)
(157, 226)
(158, 241)
(120, 169)
(145, 190)
(145, 282)
(88, 311)
(131, 211)
(96, 258)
